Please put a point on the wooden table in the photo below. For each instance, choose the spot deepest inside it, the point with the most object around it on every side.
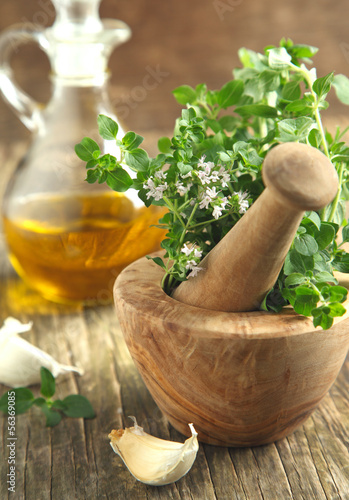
(74, 459)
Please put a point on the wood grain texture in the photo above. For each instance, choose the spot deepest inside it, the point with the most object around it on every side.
(242, 379)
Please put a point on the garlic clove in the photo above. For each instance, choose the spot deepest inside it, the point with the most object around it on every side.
(152, 460)
(20, 361)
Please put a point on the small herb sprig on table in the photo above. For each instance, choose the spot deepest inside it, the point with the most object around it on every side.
(209, 172)
(75, 405)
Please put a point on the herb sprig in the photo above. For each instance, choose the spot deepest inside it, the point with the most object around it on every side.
(75, 405)
(209, 172)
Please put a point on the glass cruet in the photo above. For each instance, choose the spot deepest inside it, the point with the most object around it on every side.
(66, 238)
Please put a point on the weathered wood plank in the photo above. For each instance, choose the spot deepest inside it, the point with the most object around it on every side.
(75, 460)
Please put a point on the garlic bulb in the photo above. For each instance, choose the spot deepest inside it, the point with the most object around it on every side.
(152, 460)
(20, 361)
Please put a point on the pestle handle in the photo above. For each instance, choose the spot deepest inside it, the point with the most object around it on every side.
(241, 269)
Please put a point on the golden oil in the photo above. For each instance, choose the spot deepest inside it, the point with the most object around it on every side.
(72, 248)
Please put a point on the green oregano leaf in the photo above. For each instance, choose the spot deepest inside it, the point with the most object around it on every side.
(338, 293)
(230, 93)
(53, 418)
(48, 385)
(164, 145)
(341, 86)
(77, 406)
(314, 138)
(298, 263)
(312, 217)
(302, 51)
(261, 110)
(23, 398)
(321, 318)
(345, 234)
(296, 129)
(131, 140)
(184, 94)
(92, 176)
(324, 277)
(279, 58)
(158, 261)
(306, 244)
(305, 301)
(291, 91)
(325, 235)
(341, 262)
(336, 310)
(107, 127)
(58, 405)
(92, 163)
(229, 123)
(119, 180)
(295, 279)
(300, 107)
(137, 159)
(86, 148)
(322, 85)
(269, 80)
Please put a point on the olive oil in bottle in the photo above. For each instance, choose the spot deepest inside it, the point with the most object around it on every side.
(71, 248)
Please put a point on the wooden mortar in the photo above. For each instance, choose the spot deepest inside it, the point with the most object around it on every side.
(243, 379)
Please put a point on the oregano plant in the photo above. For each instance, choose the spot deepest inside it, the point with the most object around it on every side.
(209, 172)
(74, 405)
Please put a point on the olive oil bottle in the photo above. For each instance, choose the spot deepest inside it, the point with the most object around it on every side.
(69, 239)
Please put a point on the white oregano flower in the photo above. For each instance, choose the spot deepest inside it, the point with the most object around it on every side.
(207, 197)
(192, 264)
(219, 207)
(20, 361)
(156, 192)
(205, 201)
(194, 271)
(217, 211)
(186, 250)
(197, 253)
(160, 174)
(243, 201)
(159, 191)
(150, 184)
(182, 190)
(225, 177)
(211, 192)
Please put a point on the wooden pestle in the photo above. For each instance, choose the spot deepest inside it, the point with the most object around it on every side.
(243, 267)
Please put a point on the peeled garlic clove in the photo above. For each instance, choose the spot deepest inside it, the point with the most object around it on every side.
(152, 460)
(20, 361)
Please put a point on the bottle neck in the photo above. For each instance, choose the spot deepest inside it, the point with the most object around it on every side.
(72, 14)
(93, 82)
(77, 53)
(82, 63)
(79, 43)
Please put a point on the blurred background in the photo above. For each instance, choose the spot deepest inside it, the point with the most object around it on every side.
(181, 41)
